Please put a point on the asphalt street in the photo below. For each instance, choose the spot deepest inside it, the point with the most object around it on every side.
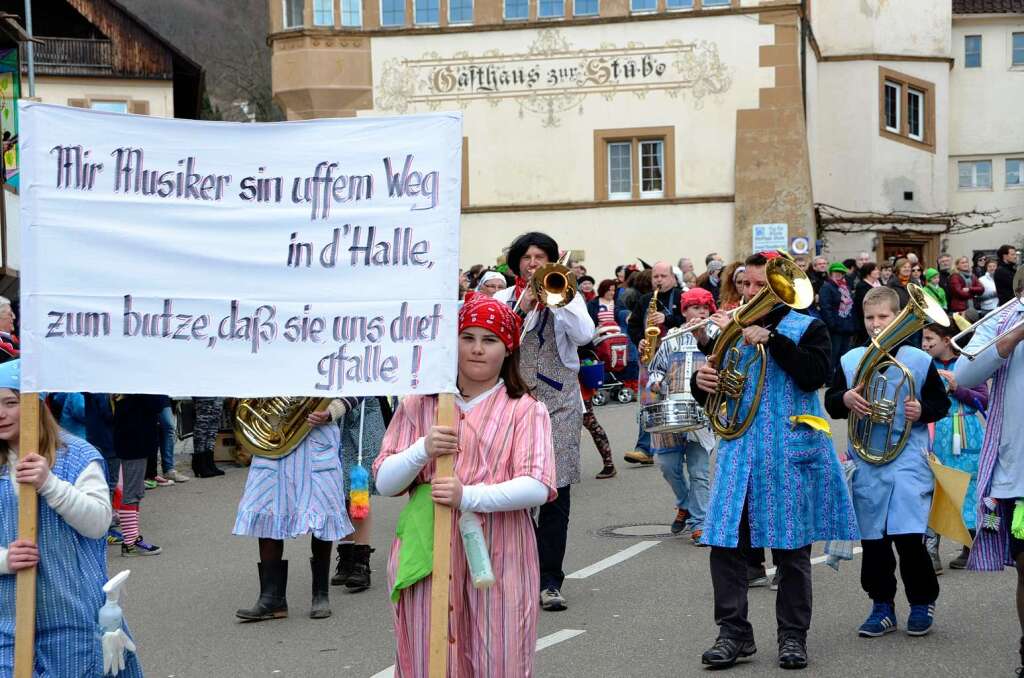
(646, 612)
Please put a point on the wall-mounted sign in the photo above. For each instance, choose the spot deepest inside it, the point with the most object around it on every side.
(799, 245)
(770, 237)
(551, 76)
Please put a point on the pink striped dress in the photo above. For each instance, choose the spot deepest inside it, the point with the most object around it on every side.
(493, 632)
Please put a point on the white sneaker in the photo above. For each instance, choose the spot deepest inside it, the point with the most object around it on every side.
(177, 476)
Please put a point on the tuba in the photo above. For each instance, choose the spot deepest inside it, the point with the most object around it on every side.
(920, 311)
(274, 427)
(788, 285)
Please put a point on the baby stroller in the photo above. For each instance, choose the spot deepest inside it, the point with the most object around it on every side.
(611, 348)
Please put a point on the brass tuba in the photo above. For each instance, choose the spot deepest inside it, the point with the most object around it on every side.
(920, 311)
(274, 427)
(788, 285)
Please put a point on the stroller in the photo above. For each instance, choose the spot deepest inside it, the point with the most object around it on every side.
(610, 356)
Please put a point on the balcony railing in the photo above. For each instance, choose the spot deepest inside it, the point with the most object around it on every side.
(73, 56)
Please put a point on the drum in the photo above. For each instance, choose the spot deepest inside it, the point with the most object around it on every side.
(674, 415)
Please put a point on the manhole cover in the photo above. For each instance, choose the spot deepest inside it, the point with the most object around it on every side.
(635, 530)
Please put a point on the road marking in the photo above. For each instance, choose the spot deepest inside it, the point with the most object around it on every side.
(610, 561)
(542, 643)
(814, 561)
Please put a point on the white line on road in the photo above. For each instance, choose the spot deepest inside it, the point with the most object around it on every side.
(622, 555)
(542, 643)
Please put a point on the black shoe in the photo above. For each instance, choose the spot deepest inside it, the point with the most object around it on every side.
(359, 579)
(211, 467)
(344, 568)
(321, 607)
(272, 603)
(793, 653)
(726, 651)
(199, 465)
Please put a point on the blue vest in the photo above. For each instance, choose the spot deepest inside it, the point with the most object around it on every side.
(789, 478)
(894, 498)
(72, 572)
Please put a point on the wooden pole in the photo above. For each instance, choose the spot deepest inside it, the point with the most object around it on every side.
(28, 523)
(445, 467)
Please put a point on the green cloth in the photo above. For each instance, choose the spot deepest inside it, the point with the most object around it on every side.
(936, 293)
(415, 532)
(1017, 526)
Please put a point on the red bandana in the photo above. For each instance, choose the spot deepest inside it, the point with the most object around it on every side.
(697, 296)
(480, 310)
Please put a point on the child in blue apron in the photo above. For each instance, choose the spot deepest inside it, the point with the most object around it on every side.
(70, 551)
(956, 439)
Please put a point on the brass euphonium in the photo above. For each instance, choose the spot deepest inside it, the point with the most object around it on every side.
(786, 284)
(274, 427)
(920, 311)
(652, 333)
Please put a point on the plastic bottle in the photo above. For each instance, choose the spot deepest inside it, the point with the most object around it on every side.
(110, 616)
(478, 556)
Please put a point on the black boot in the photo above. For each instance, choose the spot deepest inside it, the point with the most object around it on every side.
(359, 580)
(272, 603)
(211, 468)
(321, 607)
(199, 469)
(344, 569)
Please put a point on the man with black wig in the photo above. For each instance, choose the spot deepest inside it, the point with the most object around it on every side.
(550, 365)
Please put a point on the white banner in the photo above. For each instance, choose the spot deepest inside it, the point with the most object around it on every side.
(205, 258)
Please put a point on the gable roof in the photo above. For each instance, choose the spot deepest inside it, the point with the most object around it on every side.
(988, 6)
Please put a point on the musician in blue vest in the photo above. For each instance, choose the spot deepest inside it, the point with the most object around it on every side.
(777, 485)
(893, 500)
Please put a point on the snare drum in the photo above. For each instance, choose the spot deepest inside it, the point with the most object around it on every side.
(673, 416)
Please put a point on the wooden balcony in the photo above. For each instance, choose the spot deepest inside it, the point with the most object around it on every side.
(73, 57)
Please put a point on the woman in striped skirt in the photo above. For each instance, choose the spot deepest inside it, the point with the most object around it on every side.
(287, 497)
(505, 466)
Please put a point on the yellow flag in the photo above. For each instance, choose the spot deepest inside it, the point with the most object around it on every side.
(947, 517)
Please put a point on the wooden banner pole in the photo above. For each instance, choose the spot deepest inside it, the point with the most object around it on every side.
(28, 523)
(445, 467)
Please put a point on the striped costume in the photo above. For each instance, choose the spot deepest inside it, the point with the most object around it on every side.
(298, 494)
(72, 572)
(493, 631)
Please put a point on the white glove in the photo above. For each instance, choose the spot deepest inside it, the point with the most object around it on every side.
(114, 645)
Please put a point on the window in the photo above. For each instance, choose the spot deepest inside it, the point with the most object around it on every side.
(634, 164)
(351, 13)
(620, 170)
(293, 13)
(906, 109)
(715, 3)
(585, 8)
(1018, 49)
(892, 107)
(392, 12)
(972, 51)
(427, 12)
(1015, 173)
(975, 174)
(643, 5)
(517, 9)
(323, 12)
(652, 169)
(109, 106)
(460, 11)
(679, 4)
(915, 114)
(549, 9)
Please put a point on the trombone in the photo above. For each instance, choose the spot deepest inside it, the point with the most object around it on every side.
(994, 315)
(553, 285)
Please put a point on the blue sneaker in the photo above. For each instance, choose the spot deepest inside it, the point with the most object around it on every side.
(920, 621)
(881, 621)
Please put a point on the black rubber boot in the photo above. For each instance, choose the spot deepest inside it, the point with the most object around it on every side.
(272, 603)
(344, 568)
(359, 580)
(321, 607)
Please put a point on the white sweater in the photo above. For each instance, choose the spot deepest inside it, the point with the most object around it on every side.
(85, 506)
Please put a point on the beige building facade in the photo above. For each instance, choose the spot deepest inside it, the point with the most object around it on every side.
(667, 128)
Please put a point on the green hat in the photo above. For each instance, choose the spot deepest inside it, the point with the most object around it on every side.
(837, 267)
(930, 273)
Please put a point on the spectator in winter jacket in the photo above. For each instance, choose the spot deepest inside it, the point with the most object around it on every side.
(72, 413)
(934, 289)
(963, 286)
(1004, 272)
(99, 432)
(836, 306)
(869, 276)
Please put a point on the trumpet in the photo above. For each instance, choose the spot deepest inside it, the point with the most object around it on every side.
(994, 315)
